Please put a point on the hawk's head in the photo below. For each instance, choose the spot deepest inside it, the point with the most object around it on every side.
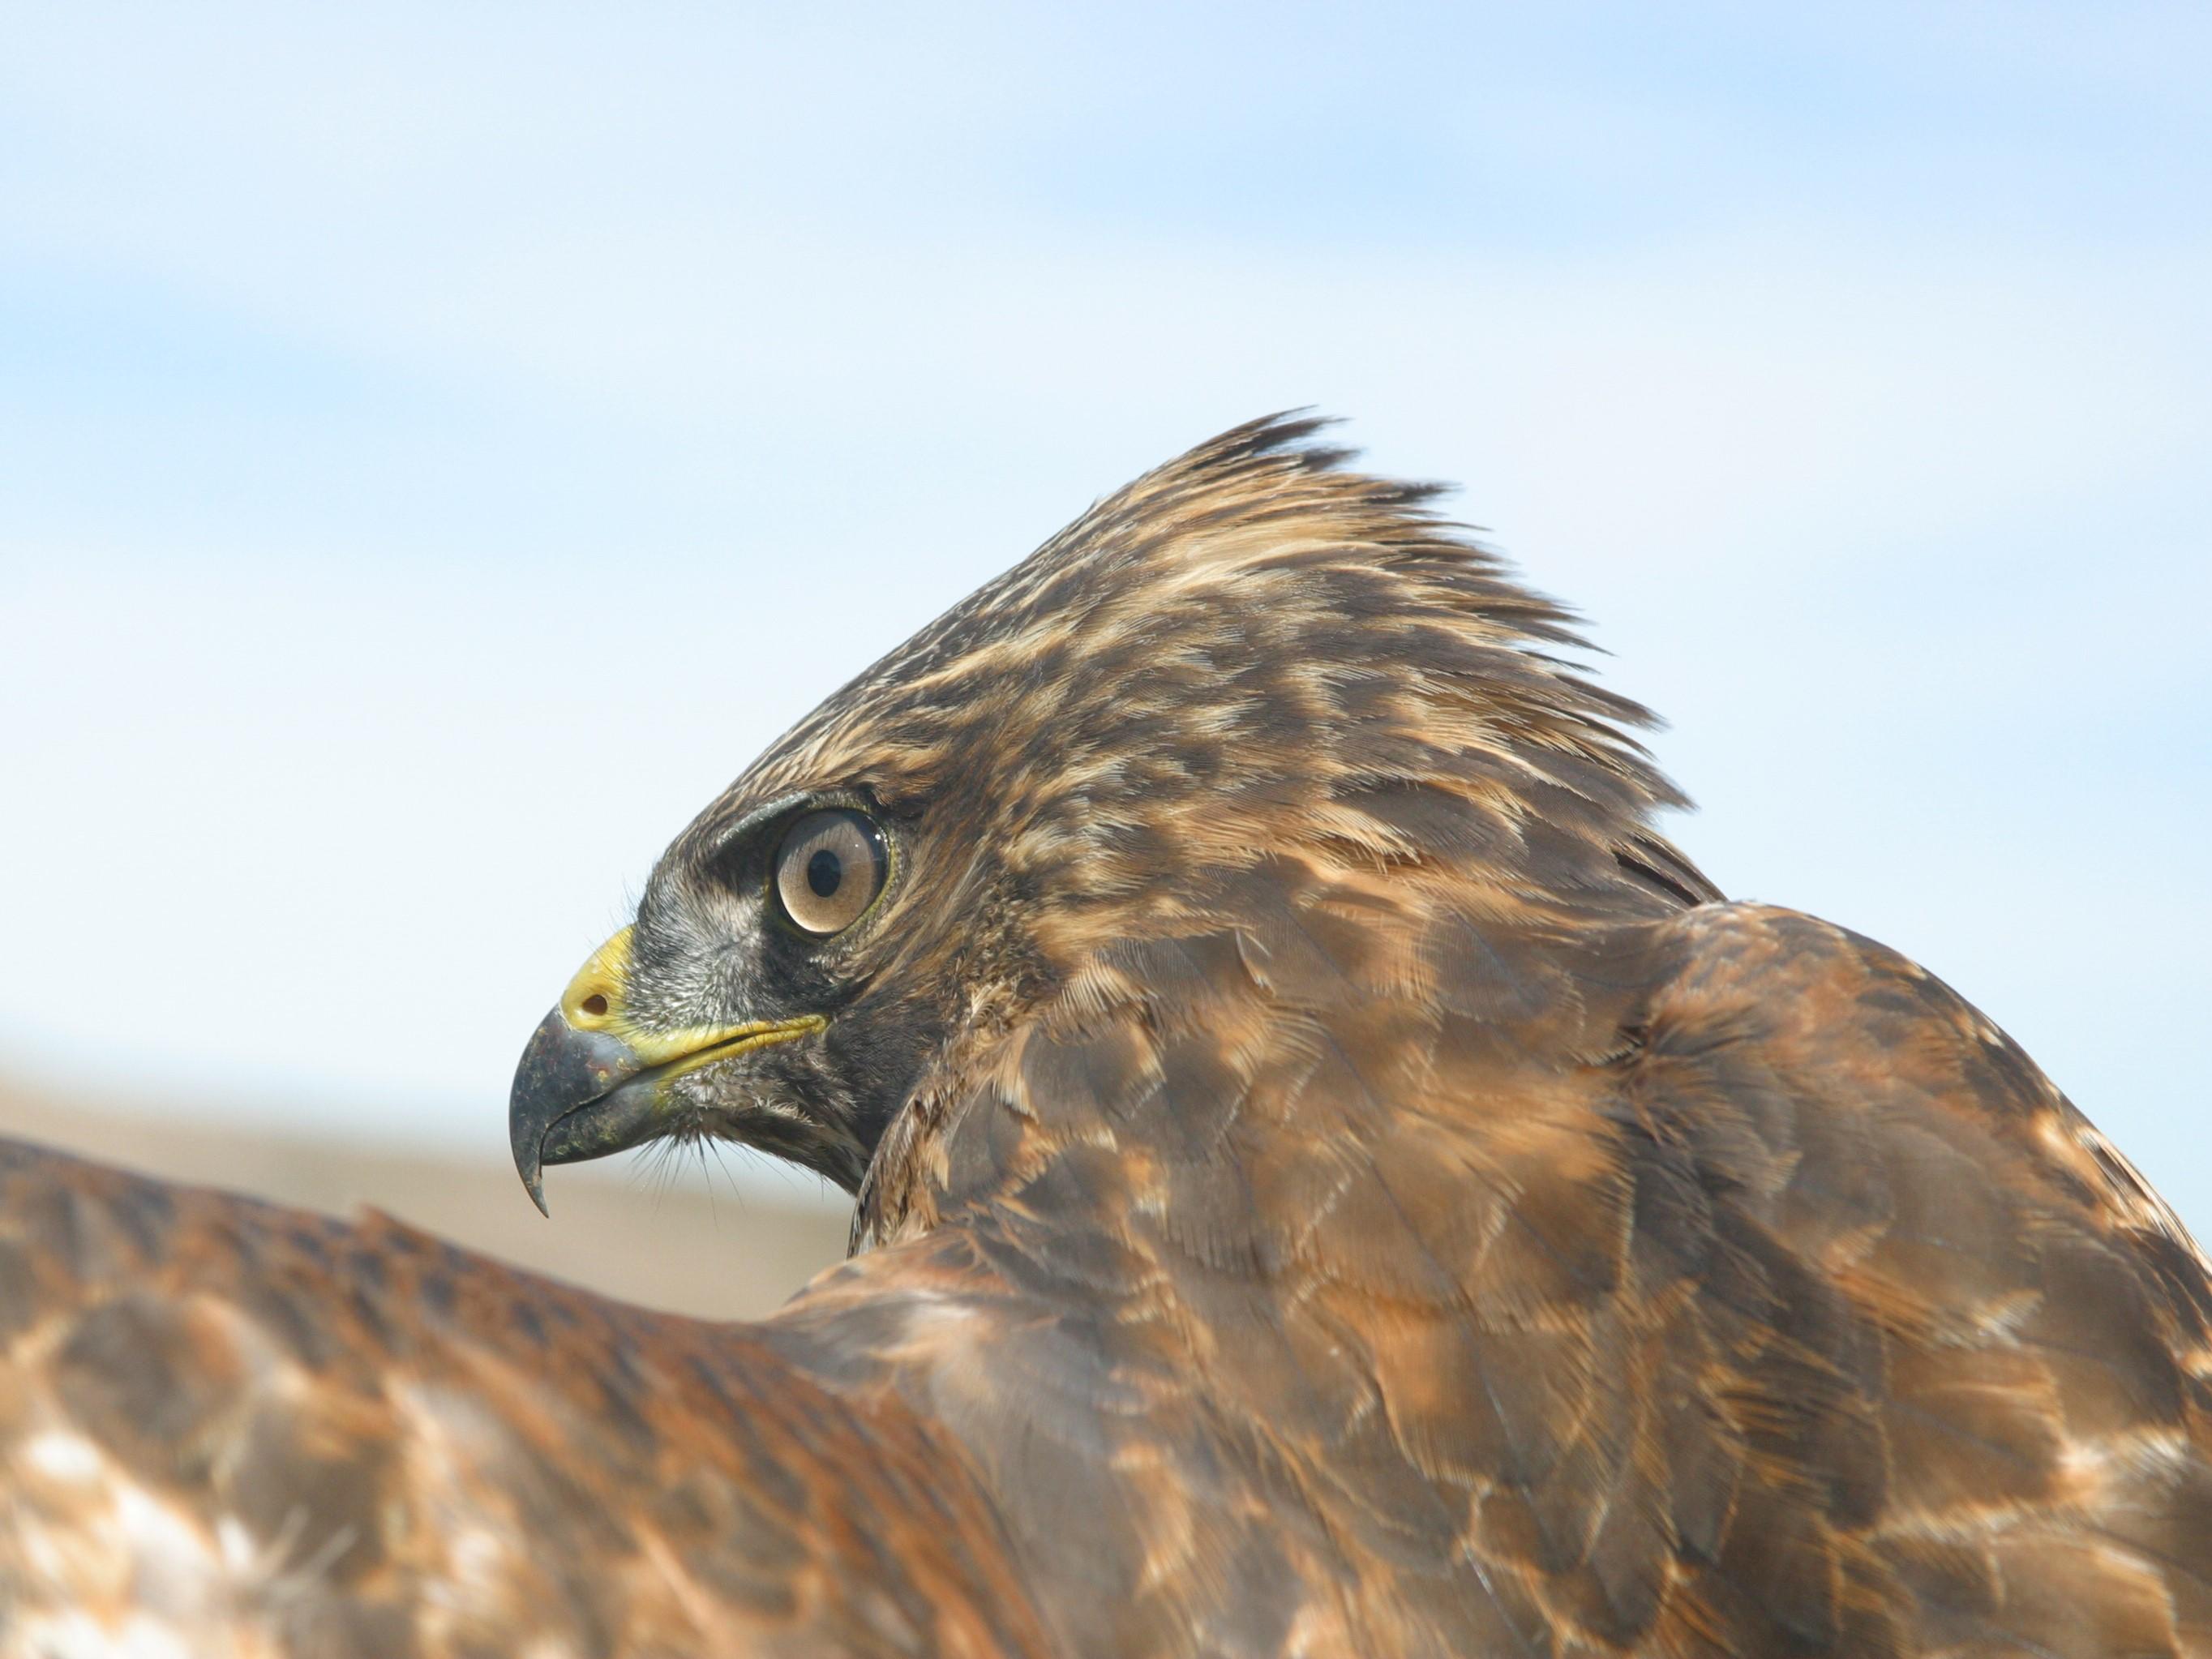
(1248, 656)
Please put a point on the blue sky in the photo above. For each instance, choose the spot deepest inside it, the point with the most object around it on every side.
(443, 444)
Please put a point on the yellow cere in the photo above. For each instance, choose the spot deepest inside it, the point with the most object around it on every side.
(594, 1001)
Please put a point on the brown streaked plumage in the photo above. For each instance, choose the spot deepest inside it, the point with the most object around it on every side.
(1331, 1178)
(232, 1428)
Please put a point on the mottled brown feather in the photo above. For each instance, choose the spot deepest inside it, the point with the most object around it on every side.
(230, 1428)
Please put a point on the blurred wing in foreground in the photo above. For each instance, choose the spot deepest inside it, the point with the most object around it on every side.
(226, 1427)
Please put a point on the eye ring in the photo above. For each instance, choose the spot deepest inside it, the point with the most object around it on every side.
(829, 869)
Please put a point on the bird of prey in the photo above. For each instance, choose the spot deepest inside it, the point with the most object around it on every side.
(1330, 1177)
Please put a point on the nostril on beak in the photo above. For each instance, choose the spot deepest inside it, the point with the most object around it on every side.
(595, 1005)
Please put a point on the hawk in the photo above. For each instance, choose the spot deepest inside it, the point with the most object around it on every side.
(1330, 1177)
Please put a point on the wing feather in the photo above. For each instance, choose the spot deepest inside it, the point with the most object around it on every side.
(227, 1428)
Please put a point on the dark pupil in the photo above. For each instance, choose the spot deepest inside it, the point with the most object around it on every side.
(823, 872)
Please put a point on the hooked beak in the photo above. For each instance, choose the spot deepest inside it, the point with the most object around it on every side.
(590, 1082)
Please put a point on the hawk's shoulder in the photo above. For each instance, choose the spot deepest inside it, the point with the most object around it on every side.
(1871, 1046)
(1954, 1346)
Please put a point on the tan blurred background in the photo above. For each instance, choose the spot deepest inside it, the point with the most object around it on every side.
(686, 1242)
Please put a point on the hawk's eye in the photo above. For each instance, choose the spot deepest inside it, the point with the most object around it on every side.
(829, 869)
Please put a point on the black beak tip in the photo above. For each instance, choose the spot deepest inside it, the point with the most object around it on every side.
(560, 1109)
(548, 1083)
(530, 1162)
